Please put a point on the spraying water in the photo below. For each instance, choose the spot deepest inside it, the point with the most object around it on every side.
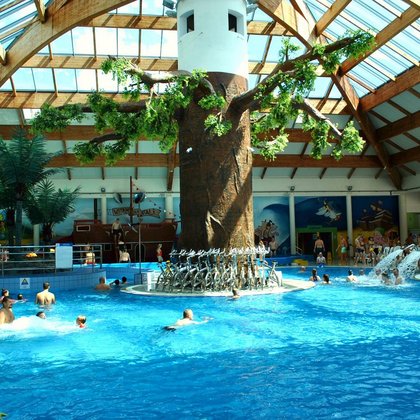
(389, 261)
(409, 265)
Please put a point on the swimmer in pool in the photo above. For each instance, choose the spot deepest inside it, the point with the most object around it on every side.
(6, 314)
(41, 314)
(81, 321)
(187, 319)
(45, 297)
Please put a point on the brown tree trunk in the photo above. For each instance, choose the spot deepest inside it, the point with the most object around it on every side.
(216, 176)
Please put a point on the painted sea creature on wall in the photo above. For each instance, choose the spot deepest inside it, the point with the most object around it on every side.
(327, 210)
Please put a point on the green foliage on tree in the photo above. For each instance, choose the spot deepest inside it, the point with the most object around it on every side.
(275, 101)
(23, 162)
(47, 206)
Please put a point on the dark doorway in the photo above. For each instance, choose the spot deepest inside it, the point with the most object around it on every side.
(305, 241)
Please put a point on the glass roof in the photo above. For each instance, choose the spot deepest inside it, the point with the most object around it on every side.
(390, 60)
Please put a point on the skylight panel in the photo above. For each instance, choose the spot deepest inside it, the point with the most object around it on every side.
(106, 41)
(169, 44)
(276, 45)
(66, 80)
(150, 43)
(368, 75)
(256, 47)
(130, 9)
(398, 58)
(7, 86)
(387, 62)
(23, 79)
(320, 88)
(43, 80)
(83, 41)
(370, 14)
(63, 45)
(152, 7)
(86, 80)
(401, 5)
(106, 83)
(262, 16)
(407, 42)
(128, 42)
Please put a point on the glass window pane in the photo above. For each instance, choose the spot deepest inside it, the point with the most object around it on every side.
(106, 83)
(150, 43)
(106, 41)
(83, 41)
(43, 79)
(66, 80)
(23, 79)
(128, 42)
(256, 47)
(169, 44)
(63, 45)
(86, 80)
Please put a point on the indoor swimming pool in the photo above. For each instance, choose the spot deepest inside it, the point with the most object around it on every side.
(335, 351)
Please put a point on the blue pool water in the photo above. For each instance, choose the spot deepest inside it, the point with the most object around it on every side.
(340, 351)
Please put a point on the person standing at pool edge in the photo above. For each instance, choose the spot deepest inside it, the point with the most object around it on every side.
(45, 297)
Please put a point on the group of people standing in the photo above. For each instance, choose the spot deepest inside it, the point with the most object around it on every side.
(43, 299)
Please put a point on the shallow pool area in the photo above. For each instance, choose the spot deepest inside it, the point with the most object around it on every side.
(334, 351)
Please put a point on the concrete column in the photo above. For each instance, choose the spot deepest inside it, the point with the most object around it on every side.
(402, 204)
(169, 207)
(104, 209)
(349, 210)
(292, 223)
(36, 234)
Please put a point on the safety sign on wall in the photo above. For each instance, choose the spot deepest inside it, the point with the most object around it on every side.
(25, 283)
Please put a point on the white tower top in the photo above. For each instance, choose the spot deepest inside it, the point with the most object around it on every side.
(212, 36)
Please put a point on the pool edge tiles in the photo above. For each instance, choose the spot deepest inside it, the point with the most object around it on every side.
(289, 286)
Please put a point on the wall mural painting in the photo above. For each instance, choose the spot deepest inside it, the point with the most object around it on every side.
(271, 223)
(376, 219)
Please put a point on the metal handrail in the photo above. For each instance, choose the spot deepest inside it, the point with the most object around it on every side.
(42, 258)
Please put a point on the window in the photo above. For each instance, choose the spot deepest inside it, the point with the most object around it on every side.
(190, 23)
(233, 23)
(236, 22)
(186, 23)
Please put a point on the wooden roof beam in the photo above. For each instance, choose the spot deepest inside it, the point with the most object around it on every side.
(38, 34)
(394, 28)
(3, 55)
(155, 160)
(398, 127)
(403, 82)
(34, 100)
(40, 7)
(413, 3)
(165, 23)
(328, 17)
(405, 156)
(287, 16)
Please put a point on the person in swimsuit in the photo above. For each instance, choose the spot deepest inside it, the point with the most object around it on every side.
(187, 319)
(6, 314)
(45, 297)
(314, 276)
(116, 230)
(319, 246)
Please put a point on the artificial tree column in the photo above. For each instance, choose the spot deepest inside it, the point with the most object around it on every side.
(215, 172)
